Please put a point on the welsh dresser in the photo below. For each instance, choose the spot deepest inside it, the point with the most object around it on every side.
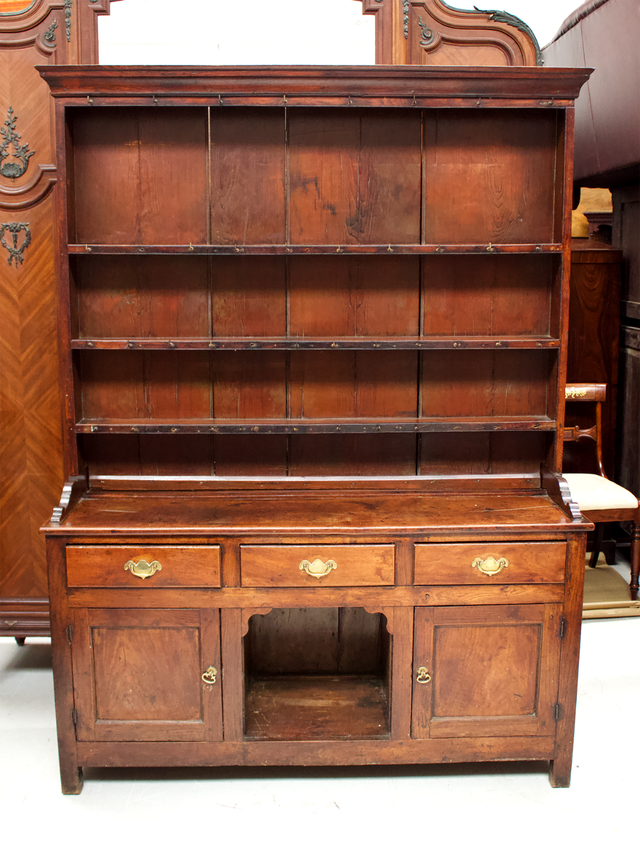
(313, 337)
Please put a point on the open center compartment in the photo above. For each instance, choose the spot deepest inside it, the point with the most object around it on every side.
(317, 673)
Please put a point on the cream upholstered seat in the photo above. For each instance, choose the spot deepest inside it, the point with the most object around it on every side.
(598, 493)
(600, 499)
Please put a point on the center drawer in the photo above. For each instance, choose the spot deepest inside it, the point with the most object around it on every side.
(489, 563)
(143, 566)
(310, 566)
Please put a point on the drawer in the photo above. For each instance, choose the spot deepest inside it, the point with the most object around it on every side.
(143, 566)
(489, 563)
(312, 566)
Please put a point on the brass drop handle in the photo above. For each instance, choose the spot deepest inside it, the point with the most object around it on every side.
(489, 566)
(318, 568)
(210, 675)
(423, 675)
(143, 569)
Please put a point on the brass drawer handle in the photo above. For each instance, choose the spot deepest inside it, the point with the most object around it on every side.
(423, 675)
(210, 675)
(143, 569)
(489, 566)
(318, 568)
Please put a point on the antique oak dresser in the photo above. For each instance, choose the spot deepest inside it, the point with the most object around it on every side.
(313, 337)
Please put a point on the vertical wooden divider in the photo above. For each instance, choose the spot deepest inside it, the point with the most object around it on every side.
(210, 286)
(287, 284)
(402, 648)
(62, 640)
(560, 770)
(232, 674)
(565, 191)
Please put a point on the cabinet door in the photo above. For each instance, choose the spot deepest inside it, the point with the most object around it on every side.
(485, 671)
(138, 674)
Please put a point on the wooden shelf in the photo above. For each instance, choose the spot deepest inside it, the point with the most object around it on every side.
(335, 344)
(286, 249)
(339, 425)
(315, 708)
(454, 279)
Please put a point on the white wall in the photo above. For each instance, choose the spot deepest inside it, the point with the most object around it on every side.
(265, 32)
(237, 32)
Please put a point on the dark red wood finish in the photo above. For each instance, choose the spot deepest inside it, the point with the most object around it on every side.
(315, 332)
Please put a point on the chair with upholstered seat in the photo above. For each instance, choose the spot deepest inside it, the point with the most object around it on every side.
(600, 499)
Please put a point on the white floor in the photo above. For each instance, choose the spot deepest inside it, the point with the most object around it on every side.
(475, 811)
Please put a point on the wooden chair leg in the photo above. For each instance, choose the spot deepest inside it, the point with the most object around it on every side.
(597, 544)
(635, 559)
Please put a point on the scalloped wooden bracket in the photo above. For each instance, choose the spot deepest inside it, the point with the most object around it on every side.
(248, 613)
(72, 491)
(429, 32)
(387, 613)
(558, 491)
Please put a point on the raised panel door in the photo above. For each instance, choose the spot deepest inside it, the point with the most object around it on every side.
(485, 671)
(138, 675)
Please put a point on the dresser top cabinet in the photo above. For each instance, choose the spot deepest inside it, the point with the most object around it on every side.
(313, 338)
(314, 271)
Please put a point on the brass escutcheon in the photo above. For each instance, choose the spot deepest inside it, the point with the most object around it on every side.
(489, 566)
(210, 675)
(143, 569)
(318, 568)
(423, 675)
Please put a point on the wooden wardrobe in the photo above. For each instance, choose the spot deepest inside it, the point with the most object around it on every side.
(32, 454)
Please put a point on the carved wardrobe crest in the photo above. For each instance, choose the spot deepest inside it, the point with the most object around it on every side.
(429, 32)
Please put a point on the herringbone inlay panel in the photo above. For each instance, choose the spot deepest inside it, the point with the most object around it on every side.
(31, 469)
(30, 439)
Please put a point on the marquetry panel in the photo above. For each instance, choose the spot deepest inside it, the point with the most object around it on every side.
(30, 433)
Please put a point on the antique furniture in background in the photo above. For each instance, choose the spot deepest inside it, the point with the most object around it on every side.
(605, 34)
(314, 350)
(32, 470)
(601, 500)
(594, 331)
